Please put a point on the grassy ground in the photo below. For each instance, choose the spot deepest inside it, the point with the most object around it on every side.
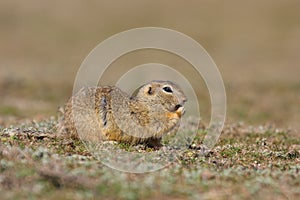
(255, 45)
(248, 162)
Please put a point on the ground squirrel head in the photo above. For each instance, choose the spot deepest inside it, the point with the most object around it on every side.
(164, 95)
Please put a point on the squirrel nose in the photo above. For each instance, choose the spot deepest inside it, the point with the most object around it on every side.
(183, 100)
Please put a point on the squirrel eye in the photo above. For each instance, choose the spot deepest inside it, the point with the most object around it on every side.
(167, 89)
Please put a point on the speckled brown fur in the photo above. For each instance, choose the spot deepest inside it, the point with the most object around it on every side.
(107, 113)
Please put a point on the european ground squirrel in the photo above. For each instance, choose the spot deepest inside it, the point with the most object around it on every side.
(108, 113)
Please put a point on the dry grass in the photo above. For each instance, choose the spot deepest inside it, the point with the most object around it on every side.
(247, 162)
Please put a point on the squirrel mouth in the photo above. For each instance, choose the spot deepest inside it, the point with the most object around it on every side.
(179, 110)
(176, 112)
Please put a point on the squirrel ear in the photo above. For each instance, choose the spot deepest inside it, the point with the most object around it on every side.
(146, 89)
(149, 90)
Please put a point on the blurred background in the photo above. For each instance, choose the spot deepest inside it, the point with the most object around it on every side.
(255, 44)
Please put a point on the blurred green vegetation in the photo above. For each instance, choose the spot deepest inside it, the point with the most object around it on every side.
(255, 45)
